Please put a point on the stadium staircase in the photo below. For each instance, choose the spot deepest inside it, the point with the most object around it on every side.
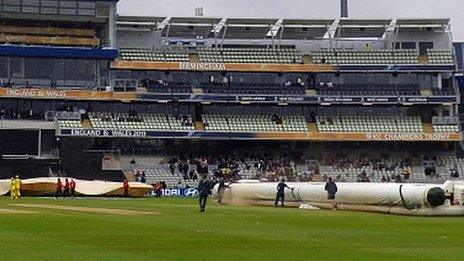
(199, 126)
(193, 57)
(427, 127)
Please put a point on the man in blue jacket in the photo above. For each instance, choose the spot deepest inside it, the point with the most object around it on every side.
(281, 192)
(331, 189)
(204, 189)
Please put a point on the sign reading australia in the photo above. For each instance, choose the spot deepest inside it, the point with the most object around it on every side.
(108, 133)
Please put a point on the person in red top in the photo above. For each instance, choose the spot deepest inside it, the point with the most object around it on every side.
(72, 186)
(125, 185)
(66, 188)
(59, 188)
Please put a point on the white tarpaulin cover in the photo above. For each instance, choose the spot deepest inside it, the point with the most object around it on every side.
(46, 186)
(414, 195)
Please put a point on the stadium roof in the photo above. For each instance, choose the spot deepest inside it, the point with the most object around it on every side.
(356, 28)
(259, 28)
(420, 24)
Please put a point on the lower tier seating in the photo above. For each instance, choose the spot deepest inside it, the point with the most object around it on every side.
(143, 122)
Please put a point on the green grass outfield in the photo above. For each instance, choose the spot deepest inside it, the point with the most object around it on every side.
(179, 232)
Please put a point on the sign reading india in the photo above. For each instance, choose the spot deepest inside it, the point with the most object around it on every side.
(202, 66)
(411, 136)
(35, 93)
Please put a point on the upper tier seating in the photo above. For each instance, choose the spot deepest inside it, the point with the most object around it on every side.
(371, 89)
(368, 124)
(440, 56)
(249, 55)
(48, 36)
(255, 123)
(365, 57)
(252, 88)
(135, 53)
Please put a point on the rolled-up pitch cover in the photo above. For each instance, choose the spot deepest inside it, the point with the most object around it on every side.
(387, 194)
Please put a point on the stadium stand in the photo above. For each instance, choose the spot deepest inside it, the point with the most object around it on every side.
(48, 36)
(392, 168)
(439, 56)
(132, 121)
(253, 88)
(369, 124)
(279, 98)
(375, 57)
(249, 55)
(445, 124)
(369, 89)
(135, 53)
(162, 86)
(254, 123)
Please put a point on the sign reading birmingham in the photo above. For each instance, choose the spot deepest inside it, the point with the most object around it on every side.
(202, 66)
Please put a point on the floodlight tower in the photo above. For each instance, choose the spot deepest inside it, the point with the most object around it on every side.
(344, 8)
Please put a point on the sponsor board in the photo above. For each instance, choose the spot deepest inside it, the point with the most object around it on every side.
(409, 136)
(35, 93)
(202, 66)
(107, 133)
(184, 192)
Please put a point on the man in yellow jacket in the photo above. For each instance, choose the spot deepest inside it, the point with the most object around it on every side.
(13, 188)
(17, 186)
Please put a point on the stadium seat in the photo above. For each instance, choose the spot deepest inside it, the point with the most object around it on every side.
(249, 55)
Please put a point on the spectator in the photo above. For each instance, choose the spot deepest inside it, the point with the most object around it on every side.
(231, 79)
(454, 172)
(211, 80)
(330, 85)
(172, 167)
(143, 178)
(159, 186)
(225, 81)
